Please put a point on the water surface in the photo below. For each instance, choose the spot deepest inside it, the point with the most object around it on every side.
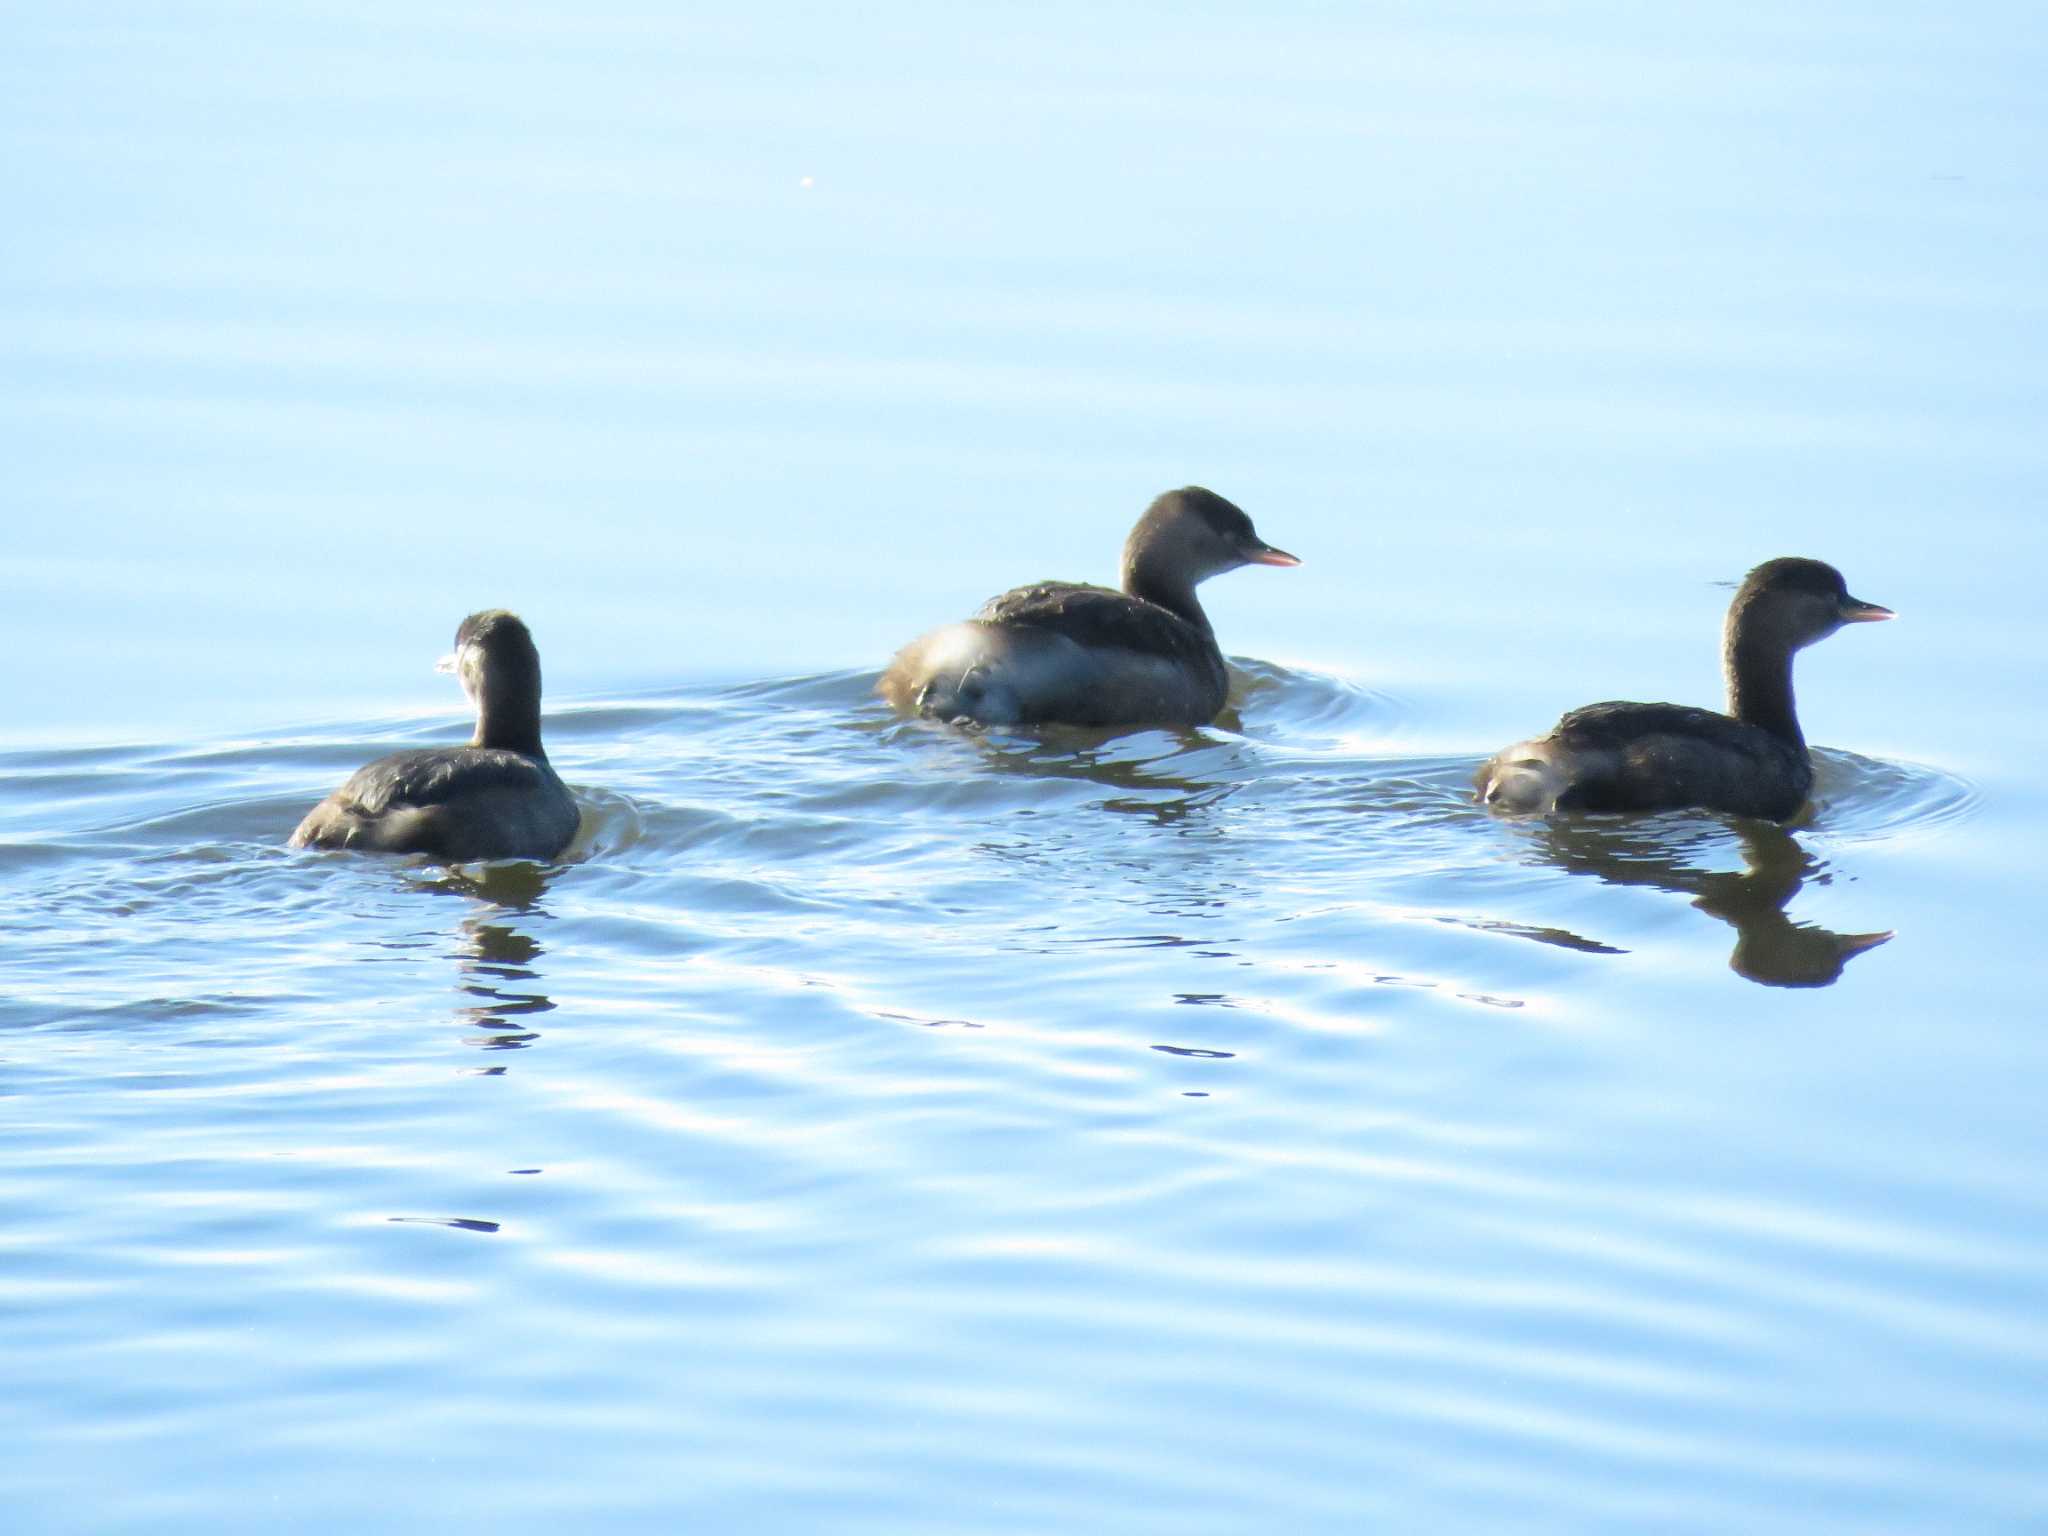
(877, 1127)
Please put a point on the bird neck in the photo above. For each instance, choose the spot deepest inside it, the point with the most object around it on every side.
(1144, 579)
(509, 724)
(1759, 673)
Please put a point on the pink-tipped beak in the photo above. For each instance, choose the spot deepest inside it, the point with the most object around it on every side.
(1266, 554)
(1857, 611)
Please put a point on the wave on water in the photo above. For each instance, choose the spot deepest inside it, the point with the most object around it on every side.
(828, 1004)
(751, 805)
(1866, 799)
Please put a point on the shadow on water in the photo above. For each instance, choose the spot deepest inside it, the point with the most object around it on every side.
(1171, 773)
(1770, 947)
(515, 885)
(496, 961)
(1164, 774)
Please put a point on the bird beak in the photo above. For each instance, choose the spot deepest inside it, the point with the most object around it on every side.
(1265, 554)
(1856, 611)
(447, 663)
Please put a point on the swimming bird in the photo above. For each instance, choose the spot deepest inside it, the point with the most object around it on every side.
(1644, 757)
(1084, 655)
(497, 798)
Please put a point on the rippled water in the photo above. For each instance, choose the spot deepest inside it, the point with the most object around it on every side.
(877, 1127)
(948, 1129)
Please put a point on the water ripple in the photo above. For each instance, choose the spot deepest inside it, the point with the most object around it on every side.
(838, 1044)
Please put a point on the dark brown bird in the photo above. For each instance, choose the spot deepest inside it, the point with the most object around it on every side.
(1085, 655)
(1647, 757)
(497, 798)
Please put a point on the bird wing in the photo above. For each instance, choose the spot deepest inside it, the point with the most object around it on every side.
(1099, 618)
(435, 774)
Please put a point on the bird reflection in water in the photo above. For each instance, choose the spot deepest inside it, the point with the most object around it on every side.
(1770, 947)
(1172, 780)
(495, 960)
(1165, 774)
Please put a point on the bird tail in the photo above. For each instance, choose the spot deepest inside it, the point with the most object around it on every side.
(962, 672)
(1522, 780)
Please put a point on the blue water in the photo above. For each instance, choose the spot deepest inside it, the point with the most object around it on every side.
(874, 1127)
